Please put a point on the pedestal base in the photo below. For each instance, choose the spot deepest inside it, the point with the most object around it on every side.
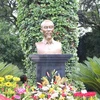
(49, 62)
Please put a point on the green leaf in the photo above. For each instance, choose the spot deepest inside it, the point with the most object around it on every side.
(95, 67)
(2, 64)
(9, 69)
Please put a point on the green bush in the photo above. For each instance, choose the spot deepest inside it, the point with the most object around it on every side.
(64, 15)
(89, 73)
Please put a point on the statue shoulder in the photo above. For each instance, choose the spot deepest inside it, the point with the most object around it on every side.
(38, 43)
(57, 42)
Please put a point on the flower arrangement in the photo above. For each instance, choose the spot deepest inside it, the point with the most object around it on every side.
(51, 87)
(55, 88)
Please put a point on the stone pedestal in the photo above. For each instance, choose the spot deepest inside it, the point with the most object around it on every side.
(49, 62)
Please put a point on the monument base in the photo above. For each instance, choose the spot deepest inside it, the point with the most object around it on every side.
(49, 62)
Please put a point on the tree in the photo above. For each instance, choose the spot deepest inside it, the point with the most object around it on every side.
(8, 10)
(10, 49)
(64, 15)
(89, 16)
(89, 13)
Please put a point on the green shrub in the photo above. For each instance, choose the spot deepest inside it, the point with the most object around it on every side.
(64, 15)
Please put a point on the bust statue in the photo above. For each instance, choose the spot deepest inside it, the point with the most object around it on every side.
(48, 45)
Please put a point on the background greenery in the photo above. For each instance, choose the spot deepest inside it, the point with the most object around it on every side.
(64, 15)
(10, 49)
(89, 16)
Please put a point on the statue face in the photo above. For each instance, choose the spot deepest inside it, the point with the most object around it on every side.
(47, 29)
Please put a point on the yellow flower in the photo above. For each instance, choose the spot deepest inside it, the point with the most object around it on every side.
(32, 88)
(1, 79)
(62, 98)
(8, 77)
(91, 98)
(51, 90)
(8, 84)
(69, 94)
(16, 79)
(45, 81)
(9, 92)
(1, 85)
(41, 96)
(14, 84)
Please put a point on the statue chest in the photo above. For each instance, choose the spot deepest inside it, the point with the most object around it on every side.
(48, 49)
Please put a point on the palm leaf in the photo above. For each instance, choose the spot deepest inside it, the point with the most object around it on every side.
(2, 64)
(9, 69)
(89, 73)
(95, 67)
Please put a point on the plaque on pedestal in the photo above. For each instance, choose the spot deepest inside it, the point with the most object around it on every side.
(49, 62)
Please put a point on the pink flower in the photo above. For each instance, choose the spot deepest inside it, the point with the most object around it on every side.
(17, 97)
(48, 74)
(3, 97)
(20, 90)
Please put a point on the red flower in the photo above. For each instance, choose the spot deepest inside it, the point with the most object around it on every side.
(3, 97)
(63, 95)
(78, 94)
(35, 97)
(49, 96)
(39, 85)
(12, 98)
(55, 82)
(90, 94)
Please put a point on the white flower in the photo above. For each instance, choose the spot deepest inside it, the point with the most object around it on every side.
(70, 98)
(68, 89)
(83, 91)
(59, 89)
(61, 85)
(38, 93)
(45, 88)
(54, 95)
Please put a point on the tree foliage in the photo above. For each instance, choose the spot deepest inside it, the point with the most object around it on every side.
(8, 10)
(10, 49)
(64, 15)
(89, 13)
(92, 43)
(89, 16)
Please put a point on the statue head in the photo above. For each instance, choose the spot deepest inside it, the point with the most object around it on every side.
(47, 28)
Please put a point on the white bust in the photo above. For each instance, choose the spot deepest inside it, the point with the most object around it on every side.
(48, 45)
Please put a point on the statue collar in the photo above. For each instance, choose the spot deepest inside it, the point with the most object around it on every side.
(47, 42)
